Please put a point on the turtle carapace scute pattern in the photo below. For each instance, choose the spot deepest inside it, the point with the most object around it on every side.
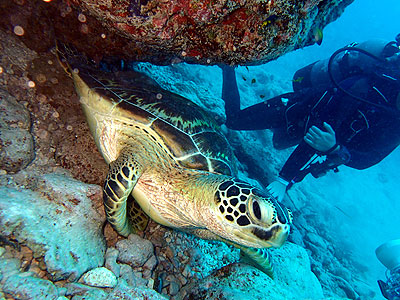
(168, 161)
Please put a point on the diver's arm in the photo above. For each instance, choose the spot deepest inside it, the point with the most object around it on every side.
(362, 152)
(303, 161)
(299, 159)
(230, 92)
(291, 170)
(300, 163)
(288, 175)
(265, 115)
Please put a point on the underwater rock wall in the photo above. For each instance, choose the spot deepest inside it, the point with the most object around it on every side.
(163, 32)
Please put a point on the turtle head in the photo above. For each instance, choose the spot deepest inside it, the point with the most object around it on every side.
(251, 218)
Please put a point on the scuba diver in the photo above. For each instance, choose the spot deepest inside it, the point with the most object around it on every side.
(343, 110)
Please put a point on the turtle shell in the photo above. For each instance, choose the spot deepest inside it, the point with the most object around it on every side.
(191, 135)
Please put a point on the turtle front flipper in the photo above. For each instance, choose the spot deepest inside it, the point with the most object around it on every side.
(121, 179)
(258, 258)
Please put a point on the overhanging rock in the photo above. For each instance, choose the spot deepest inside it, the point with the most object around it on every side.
(167, 31)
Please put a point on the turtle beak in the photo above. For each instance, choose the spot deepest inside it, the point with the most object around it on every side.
(271, 220)
(274, 236)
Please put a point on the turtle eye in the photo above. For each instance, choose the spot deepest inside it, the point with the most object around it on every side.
(262, 210)
(257, 210)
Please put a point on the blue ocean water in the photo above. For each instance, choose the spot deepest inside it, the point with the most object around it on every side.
(360, 209)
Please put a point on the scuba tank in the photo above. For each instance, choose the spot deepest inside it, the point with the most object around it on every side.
(344, 64)
(374, 57)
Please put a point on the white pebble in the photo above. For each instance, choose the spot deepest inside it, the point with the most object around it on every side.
(100, 277)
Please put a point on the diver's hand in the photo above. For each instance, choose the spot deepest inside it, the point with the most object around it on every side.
(321, 140)
(277, 189)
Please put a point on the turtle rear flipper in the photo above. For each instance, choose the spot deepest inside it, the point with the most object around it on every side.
(122, 177)
(137, 216)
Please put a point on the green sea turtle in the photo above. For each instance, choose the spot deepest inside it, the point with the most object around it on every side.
(169, 154)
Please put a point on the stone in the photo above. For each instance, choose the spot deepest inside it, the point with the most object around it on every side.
(206, 256)
(58, 223)
(132, 278)
(123, 291)
(150, 263)
(2, 251)
(111, 261)
(365, 290)
(77, 289)
(24, 286)
(16, 141)
(296, 237)
(13, 114)
(96, 294)
(134, 250)
(16, 149)
(99, 277)
(9, 267)
(293, 268)
(173, 288)
(164, 32)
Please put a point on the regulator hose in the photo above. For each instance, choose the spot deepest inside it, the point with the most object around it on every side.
(337, 85)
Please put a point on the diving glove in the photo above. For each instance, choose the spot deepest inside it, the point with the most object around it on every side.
(278, 188)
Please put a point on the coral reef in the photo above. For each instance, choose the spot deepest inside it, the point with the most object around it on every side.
(162, 32)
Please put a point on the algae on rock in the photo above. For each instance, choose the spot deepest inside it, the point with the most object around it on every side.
(56, 222)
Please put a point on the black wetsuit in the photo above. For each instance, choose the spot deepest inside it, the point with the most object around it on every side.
(366, 133)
